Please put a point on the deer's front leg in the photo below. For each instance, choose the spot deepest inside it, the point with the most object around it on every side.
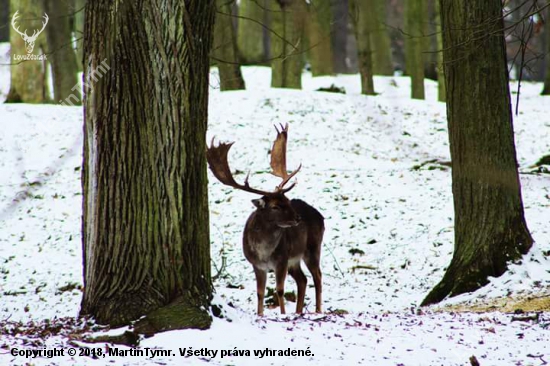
(280, 276)
(261, 277)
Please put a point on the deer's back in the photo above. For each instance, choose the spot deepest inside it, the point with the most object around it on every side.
(314, 224)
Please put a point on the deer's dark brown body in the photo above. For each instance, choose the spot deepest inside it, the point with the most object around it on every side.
(280, 233)
(278, 236)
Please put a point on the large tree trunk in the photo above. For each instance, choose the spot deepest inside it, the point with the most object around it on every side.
(415, 44)
(145, 208)
(66, 88)
(250, 32)
(380, 40)
(288, 25)
(225, 48)
(490, 228)
(546, 88)
(319, 31)
(28, 82)
(363, 18)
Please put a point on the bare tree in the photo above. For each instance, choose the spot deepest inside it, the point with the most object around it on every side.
(225, 48)
(145, 208)
(288, 28)
(61, 54)
(441, 90)
(380, 40)
(250, 31)
(364, 20)
(79, 30)
(319, 29)
(546, 88)
(4, 19)
(415, 44)
(490, 228)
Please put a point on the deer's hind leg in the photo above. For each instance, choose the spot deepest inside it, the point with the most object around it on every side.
(312, 259)
(301, 281)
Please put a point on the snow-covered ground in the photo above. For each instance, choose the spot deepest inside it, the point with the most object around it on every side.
(388, 239)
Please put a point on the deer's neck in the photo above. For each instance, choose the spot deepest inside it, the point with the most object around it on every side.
(263, 240)
(265, 231)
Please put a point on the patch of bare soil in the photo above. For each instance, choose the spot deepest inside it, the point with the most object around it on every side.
(517, 304)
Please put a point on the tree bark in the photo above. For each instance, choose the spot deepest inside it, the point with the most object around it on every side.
(288, 25)
(380, 41)
(364, 21)
(225, 48)
(250, 32)
(415, 42)
(319, 30)
(145, 207)
(66, 88)
(490, 228)
(27, 80)
(546, 88)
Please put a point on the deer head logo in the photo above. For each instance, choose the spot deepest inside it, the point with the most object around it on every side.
(29, 40)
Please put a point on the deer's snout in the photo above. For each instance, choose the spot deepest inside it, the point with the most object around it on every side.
(291, 223)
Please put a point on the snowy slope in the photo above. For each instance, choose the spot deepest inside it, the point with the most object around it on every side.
(358, 155)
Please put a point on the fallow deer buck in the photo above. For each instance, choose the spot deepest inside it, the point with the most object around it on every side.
(281, 232)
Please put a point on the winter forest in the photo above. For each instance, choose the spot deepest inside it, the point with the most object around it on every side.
(275, 182)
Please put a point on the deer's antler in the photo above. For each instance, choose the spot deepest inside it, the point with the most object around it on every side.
(217, 160)
(278, 159)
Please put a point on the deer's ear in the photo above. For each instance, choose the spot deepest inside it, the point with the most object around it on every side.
(259, 203)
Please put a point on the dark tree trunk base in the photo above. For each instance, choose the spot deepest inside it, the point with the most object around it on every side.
(123, 308)
(470, 275)
(13, 97)
(183, 313)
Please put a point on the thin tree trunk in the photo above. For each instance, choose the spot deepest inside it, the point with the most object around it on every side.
(415, 23)
(225, 48)
(145, 207)
(66, 88)
(288, 23)
(79, 31)
(319, 29)
(380, 41)
(546, 88)
(340, 29)
(490, 228)
(363, 18)
(27, 80)
(441, 91)
(250, 32)
(5, 19)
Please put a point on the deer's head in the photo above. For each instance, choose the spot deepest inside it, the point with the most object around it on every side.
(273, 206)
(29, 40)
(276, 210)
